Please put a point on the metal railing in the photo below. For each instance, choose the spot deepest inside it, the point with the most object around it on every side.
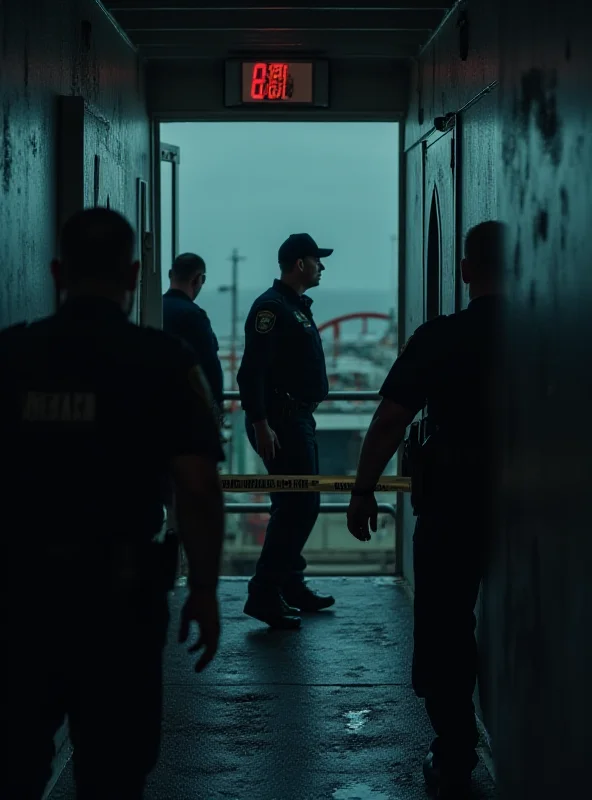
(346, 395)
(325, 508)
(388, 509)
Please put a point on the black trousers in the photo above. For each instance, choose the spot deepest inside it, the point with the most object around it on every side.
(448, 555)
(96, 659)
(293, 515)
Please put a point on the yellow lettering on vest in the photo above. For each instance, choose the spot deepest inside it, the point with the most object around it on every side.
(59, 407)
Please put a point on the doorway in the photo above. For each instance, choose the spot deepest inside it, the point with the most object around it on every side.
(242, 189)
(440, 226)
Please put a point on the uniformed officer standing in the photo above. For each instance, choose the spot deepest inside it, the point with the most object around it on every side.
(282, 379)
(183, 317)
(96, 416)
(448, 365)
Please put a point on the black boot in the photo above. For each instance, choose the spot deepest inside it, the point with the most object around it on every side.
(268, 605)
(445, 785)
(305, 599)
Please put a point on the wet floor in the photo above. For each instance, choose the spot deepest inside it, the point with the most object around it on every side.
(324, 713)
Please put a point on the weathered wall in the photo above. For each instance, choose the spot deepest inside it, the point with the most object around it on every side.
(48, 49)
(524, 159)
(442, 82)
(542, 649)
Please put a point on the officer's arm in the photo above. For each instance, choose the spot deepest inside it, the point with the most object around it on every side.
(199, 334)
(195, 449)
(262, 339)
(404, 394)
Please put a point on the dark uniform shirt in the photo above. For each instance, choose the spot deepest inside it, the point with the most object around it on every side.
(184, 318)
(283, 352)
(448, 366)
(92, 410)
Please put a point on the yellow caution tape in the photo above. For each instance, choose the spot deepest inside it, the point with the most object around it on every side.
(306, 483)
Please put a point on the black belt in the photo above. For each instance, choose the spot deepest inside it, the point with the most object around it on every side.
(290, 400)
(308, 406)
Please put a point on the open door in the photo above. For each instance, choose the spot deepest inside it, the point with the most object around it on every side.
(440, 226)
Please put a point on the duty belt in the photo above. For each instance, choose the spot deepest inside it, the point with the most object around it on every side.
(287, 398)
(307, 406)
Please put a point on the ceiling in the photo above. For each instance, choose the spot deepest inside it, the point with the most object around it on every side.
(381, 29)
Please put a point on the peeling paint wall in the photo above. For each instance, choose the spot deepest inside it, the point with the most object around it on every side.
(525, 159)
(47, 49)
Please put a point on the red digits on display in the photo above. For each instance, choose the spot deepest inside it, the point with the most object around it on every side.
(269, 82)
(277, 84)
(259, 81)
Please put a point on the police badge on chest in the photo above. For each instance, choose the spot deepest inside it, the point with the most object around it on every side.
(302, 318)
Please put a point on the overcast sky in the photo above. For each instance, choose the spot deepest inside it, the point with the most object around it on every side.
(249, 185)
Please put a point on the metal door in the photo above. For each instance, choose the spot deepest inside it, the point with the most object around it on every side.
(439, 225)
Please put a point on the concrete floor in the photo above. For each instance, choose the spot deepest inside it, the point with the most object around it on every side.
(324, 713)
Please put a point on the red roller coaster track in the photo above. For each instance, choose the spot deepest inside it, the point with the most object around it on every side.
(334, 325)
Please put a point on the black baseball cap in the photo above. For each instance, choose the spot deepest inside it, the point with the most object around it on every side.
(301, 245)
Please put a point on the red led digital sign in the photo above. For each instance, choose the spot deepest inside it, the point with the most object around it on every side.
(271, 82)
(277, 82)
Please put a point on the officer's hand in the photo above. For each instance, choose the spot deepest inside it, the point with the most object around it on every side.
(362, 517)
(202, 607)
(267, 441)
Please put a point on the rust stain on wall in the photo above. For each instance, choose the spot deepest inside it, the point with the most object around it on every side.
(538, 101)
(541, 226)
(6, 147)
(564, 199)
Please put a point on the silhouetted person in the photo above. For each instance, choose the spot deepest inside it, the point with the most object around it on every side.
(183, 317)
(97, 416)
(448, 366)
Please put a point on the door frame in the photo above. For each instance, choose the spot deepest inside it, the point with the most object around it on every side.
(151, 312)
(171, 154)
(429, 141)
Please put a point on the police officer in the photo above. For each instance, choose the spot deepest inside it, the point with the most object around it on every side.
(448, 366)
(183, 317)
(282, 379)
(96, 416)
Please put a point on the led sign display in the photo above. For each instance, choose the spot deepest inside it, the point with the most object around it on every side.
(277, 82)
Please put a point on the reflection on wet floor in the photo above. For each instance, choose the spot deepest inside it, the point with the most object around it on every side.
(358, 791)
(324, 713)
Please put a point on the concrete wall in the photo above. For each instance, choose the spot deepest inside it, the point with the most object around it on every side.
(524, 158)
(48, 49)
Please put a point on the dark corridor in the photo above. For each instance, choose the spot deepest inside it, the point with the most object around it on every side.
(325, 713)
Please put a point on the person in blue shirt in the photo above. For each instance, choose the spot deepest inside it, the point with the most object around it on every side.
(184, 318)
(282, 379)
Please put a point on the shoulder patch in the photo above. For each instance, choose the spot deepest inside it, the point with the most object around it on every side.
(264, 321)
